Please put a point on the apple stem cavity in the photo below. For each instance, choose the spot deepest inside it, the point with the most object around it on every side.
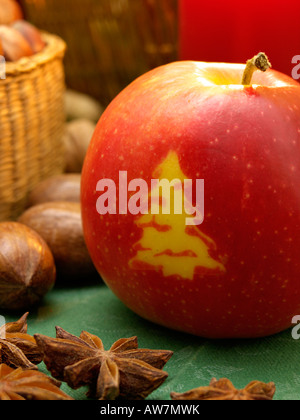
(259, 62)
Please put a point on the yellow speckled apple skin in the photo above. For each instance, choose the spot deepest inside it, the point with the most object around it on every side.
(238, 273)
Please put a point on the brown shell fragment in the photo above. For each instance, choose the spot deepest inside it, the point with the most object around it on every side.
(17, 348)
(223, 389)
(19, 384)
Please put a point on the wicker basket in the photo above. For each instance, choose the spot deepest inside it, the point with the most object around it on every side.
(31, 124)
(110, 42)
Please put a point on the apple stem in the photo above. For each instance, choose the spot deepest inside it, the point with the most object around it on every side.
(259, 62)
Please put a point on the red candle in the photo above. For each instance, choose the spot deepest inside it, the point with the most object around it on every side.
(232, 31)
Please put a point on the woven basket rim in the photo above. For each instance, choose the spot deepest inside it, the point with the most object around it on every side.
(55, 48)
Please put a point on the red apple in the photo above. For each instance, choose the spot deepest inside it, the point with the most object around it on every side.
(238, 273)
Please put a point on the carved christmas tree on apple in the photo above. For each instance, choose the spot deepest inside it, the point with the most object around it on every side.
(168, 243)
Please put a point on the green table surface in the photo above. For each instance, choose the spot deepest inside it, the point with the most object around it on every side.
(195, 361)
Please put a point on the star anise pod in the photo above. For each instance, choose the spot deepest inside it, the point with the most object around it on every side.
(17, 348)
(124, 371)
(20, 384)
(223, 389)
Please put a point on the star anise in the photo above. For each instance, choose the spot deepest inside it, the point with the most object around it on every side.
(20, 384)
(124, 371)
(224, 390)
(17, 348)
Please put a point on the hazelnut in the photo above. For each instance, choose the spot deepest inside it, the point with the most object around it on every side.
(60, 225)
(65, 187)
(27, 269)
(79, 105)
(14, 44)
(31, 34)
(77, 137)
(9, 12)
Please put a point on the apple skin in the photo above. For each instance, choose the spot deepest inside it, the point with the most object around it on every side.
(245, 143)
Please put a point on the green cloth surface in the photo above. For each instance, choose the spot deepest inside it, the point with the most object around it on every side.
(195, 361)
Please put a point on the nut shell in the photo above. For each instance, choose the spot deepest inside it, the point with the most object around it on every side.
(65, 187)
(14, 44)
(9, 12)
(77, 137)
(79, 105)
(60, 225)
(27, 269)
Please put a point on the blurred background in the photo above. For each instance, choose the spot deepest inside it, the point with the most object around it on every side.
(234, 31)
(57, 87)
(111, 42)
